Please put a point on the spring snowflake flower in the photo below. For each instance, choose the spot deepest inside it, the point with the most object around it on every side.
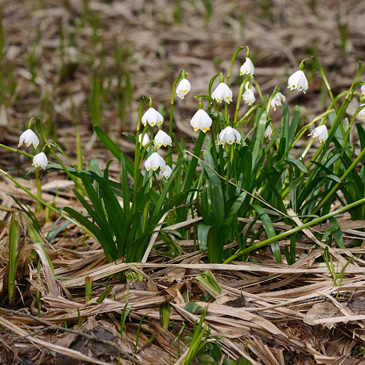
(268, 132)
(29, 137)
(152, 117)
(247, 68)
(248, 96)
(162, 139)
(201, 120)
(145, 139)
(277, 100)
(155, 162)
(166, 173)
(229, 135)
(298, 81)
(222, 93)
(361, 114)
(183, 88)
(320, 132)
(363, 91)
(40, 160)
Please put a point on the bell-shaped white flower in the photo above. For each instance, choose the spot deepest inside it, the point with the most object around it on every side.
(40, 160)
(361, 114)
(268, 132)
(277, 100)
(152, 117)
(162, 139)
(201, 120)
(363, 91)
(298, 81)
(248, 96)
(247, 68)
(222, 93)
(145, 139)
(166, 173)
(155, 162)
(229, 135)
(320, 132)
(29, 137)
(183, 88)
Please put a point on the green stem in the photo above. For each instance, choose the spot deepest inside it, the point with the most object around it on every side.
(239, 97)
(39, 188)
(136, 173)
(239, 49)
(16, 151)
(293, 230)
(172, 102)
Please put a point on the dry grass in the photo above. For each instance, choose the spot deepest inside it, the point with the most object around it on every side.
(267, 312)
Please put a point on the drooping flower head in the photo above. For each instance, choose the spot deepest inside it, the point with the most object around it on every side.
(298, 81)
(40, 160)
(201, 121)
(247, 68)
(155, 162)
(29, 137)
(248, 96)
(162, 139)
(268, 132)
(183, 88)
(145, 139)
(166, 173)
(229, 135)
(152, 117)
(320, 132)
(277, 100)
(222, 93)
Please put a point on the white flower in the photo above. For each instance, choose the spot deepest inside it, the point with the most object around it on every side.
(320, 132)
(268, 132)
(298, 81)
(166, 173)
(248, 96)
(145, 139)
(247, 68)
(277, 100)
(201, 120)
(40, 160)
(363, 91)
(229, 135)
(29, 137)
(222, 93)
(183, 88)
(162, 139)
(152, 117)
(361, 114)
(154, 162)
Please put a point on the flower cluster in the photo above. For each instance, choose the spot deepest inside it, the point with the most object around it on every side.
(30, 138)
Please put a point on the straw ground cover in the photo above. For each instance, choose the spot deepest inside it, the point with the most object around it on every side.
(210, 264)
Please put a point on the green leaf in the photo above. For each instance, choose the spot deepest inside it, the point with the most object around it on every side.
(203, 232)
(269, 229)
(296, 163)
(193, 308)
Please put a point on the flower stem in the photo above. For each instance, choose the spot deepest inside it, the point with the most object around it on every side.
(239, 49)
(16, 151)
(136, 172)
(172, 103)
